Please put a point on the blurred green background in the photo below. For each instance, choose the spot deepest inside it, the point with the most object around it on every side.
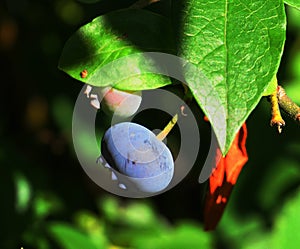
(47, 201)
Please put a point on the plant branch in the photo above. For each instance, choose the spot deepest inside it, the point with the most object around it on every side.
(287, 105)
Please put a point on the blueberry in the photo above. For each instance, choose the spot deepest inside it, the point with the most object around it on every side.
(121, 103)
(136, 152)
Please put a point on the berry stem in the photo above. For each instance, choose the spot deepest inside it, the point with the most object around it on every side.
(287, 105)
(162, 135)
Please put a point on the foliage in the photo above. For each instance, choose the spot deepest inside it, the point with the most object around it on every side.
(236, 46)
(293, 3)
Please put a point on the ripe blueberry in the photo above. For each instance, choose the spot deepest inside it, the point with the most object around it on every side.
(136, 152)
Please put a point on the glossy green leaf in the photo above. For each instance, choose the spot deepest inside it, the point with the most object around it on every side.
(271, 88)
(237, 45)
(70, 238)
(113, 36)
(293, 3)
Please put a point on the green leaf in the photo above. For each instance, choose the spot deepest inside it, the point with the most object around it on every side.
(136, 214)
(139, 215)
(260, 241)
(70, 238)
(110, 208)
(23, 192)
(284, 175)
(292, 89)
(184, 236)
(293, 17)
(287, 225)
(237, 45)
(45, 204)
(241, 231)
(113, 36)
(93, 226)
(271, 88)
(293, 3)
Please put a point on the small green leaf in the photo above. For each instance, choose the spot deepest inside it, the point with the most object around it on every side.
(23, 192)
(70, 238)
(113, 36)
(284, 175)
(293, 3)
(287, 226)
(110, 208)
(184, 236)
(45, 204)
(93, 226)
(136, 214)
(237, 45)
(139, 215)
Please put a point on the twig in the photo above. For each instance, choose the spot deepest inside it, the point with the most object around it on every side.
(287, 105)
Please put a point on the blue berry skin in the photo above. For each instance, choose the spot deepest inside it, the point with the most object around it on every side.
(134, 151)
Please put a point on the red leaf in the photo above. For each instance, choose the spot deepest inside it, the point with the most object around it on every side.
(223, 178)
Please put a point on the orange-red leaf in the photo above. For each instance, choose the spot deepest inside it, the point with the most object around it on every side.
(223, 178)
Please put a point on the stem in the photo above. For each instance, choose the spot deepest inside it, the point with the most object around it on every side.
(287, 105)
(162, 135)
(276, 115)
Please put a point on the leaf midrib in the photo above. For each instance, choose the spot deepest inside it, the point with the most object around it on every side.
(226, 61)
